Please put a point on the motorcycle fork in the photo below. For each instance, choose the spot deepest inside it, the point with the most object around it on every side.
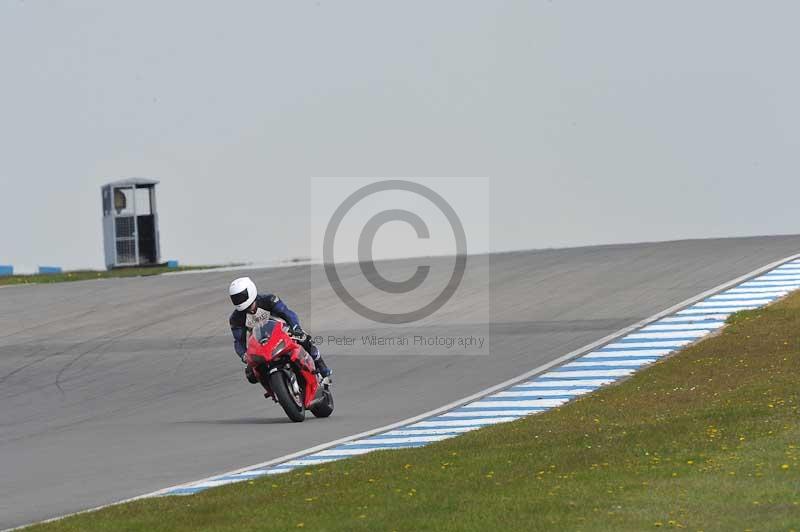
(264, 371)
(297, 390)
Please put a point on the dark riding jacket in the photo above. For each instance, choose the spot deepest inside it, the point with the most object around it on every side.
(268, 302)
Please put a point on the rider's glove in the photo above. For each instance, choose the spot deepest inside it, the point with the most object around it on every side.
(298, 332)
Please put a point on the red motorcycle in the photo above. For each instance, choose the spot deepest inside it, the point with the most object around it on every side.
(287, 372)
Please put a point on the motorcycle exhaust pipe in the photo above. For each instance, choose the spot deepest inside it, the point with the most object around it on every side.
(318, 400)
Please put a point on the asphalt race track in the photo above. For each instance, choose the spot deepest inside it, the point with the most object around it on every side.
(111, 389)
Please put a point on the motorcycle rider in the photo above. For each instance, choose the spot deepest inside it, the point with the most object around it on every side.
(252, 308)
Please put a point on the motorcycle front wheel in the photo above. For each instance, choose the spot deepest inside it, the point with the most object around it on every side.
(291, 401)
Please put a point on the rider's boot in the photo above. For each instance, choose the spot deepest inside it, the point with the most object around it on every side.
(322, 367)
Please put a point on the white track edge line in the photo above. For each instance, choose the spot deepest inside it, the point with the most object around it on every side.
(455, 404)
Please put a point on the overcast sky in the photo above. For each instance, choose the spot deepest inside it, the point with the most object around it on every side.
(596, 122)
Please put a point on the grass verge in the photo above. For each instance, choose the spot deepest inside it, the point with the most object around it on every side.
(84, 275)
(705, 440)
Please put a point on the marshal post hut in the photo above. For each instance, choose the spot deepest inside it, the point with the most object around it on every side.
(130, 223)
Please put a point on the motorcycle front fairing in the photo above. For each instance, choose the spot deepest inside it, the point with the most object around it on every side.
(270, 342)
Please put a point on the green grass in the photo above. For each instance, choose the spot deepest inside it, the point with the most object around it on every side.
(705, 440)
(83, 275)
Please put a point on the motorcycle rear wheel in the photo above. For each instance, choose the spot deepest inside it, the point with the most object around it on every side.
(293, 407)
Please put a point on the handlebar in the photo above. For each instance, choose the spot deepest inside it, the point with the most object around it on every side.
(300, 338)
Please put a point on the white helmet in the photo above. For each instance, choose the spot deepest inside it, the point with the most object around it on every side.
(243, 292)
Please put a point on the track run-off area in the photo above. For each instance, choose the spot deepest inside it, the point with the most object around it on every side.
(115, 388)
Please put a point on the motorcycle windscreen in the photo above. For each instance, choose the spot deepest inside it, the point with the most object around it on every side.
(263, 331)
